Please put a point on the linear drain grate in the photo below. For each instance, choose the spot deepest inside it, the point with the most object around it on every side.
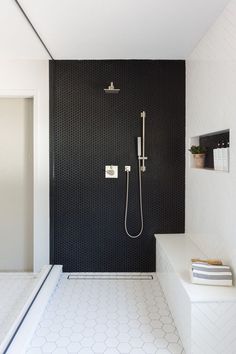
(109, 277)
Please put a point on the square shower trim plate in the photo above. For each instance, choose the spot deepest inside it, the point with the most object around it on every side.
(111, 171)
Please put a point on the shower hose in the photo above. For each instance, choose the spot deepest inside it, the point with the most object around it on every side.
(140, 202)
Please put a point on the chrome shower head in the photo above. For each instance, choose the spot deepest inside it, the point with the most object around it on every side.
(111, 89)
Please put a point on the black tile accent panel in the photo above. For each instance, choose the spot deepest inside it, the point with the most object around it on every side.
(90, 129)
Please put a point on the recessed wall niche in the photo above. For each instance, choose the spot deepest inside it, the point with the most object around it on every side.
(211, 141)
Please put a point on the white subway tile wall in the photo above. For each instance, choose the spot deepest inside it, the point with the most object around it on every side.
(210, 107)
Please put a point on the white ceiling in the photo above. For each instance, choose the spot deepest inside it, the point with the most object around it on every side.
(106, 29)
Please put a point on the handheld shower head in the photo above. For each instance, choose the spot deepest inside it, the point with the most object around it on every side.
(139, 142)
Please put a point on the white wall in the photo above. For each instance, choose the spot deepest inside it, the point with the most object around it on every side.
(16, 184)
(27, 79)
(211, 106)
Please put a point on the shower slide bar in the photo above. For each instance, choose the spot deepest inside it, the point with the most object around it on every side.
(139, 141)
(141, 168)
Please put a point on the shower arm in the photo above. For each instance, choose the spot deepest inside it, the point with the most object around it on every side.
(143, 157)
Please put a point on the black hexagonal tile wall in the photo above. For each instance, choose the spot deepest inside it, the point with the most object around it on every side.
(90, 129)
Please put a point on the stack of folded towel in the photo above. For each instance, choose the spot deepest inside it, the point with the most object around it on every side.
(211, 272)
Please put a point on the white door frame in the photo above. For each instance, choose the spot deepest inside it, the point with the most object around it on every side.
(36, 190)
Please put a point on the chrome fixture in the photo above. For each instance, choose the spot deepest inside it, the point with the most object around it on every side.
(111, 171)
(111, 89)
(139, 140)
(141, 157)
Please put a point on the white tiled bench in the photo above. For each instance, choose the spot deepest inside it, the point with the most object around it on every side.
(204, 315)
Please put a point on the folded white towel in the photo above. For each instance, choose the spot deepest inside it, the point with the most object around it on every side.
(207, 274)
(218, 268)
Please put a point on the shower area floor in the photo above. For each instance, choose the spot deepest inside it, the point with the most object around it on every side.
(112, 316)
(15, 289)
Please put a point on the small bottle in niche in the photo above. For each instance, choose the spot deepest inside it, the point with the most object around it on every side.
(225, 155)
(219, 157)
(215, 158)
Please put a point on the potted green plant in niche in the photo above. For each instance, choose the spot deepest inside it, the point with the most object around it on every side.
(199, 154)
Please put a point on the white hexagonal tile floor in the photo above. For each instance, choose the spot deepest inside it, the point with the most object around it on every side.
(15, 288)
(106, 316)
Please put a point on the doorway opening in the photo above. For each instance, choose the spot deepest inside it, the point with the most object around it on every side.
(16, 184)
